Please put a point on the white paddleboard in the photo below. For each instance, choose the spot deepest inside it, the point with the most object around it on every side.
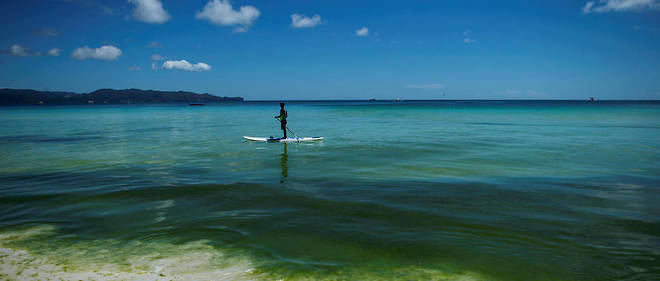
(283, 140)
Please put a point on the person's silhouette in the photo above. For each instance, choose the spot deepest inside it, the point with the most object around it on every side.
(282, 118)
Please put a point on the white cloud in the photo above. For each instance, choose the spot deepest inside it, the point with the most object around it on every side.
(604, 6)
(150, 11)
(434, 86)
(103, 53)
(54, 52)
(154, 66)
(157, 57)
(468, 40)
(220, 12)
(300, 21)
(18, 50)
(185, 65)
(362, 32)
(134, 68)
(22, 51)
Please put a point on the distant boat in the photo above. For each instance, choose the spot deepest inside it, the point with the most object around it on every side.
(196, 104)
(592, 100)
(372, 99)
(398, 99)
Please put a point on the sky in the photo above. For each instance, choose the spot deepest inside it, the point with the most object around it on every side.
(337, 49)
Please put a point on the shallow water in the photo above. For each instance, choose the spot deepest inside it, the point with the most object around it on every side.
(413, 190)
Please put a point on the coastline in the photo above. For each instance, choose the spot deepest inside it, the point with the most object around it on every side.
(107, 96)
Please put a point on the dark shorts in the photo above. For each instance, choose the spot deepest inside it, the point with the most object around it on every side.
(283, 125)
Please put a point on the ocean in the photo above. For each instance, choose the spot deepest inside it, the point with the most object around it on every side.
(413, 190)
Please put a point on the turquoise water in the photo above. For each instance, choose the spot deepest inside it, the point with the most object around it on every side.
(411, 190)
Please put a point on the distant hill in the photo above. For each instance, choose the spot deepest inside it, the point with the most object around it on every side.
(106, 96)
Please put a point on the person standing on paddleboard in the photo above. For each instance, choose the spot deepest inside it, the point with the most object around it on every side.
(282, 118)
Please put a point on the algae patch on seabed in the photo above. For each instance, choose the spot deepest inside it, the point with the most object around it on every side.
(38, 253)
(35, 254)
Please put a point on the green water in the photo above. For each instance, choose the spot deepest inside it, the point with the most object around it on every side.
(408, 191)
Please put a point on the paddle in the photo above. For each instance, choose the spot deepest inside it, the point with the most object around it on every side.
(287, 127)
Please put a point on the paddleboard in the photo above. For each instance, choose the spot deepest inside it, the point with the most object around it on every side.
(283, 140)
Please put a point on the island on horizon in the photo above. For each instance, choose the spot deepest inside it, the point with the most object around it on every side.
(106, 96)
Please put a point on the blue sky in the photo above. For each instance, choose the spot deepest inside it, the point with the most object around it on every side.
(335, 49)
